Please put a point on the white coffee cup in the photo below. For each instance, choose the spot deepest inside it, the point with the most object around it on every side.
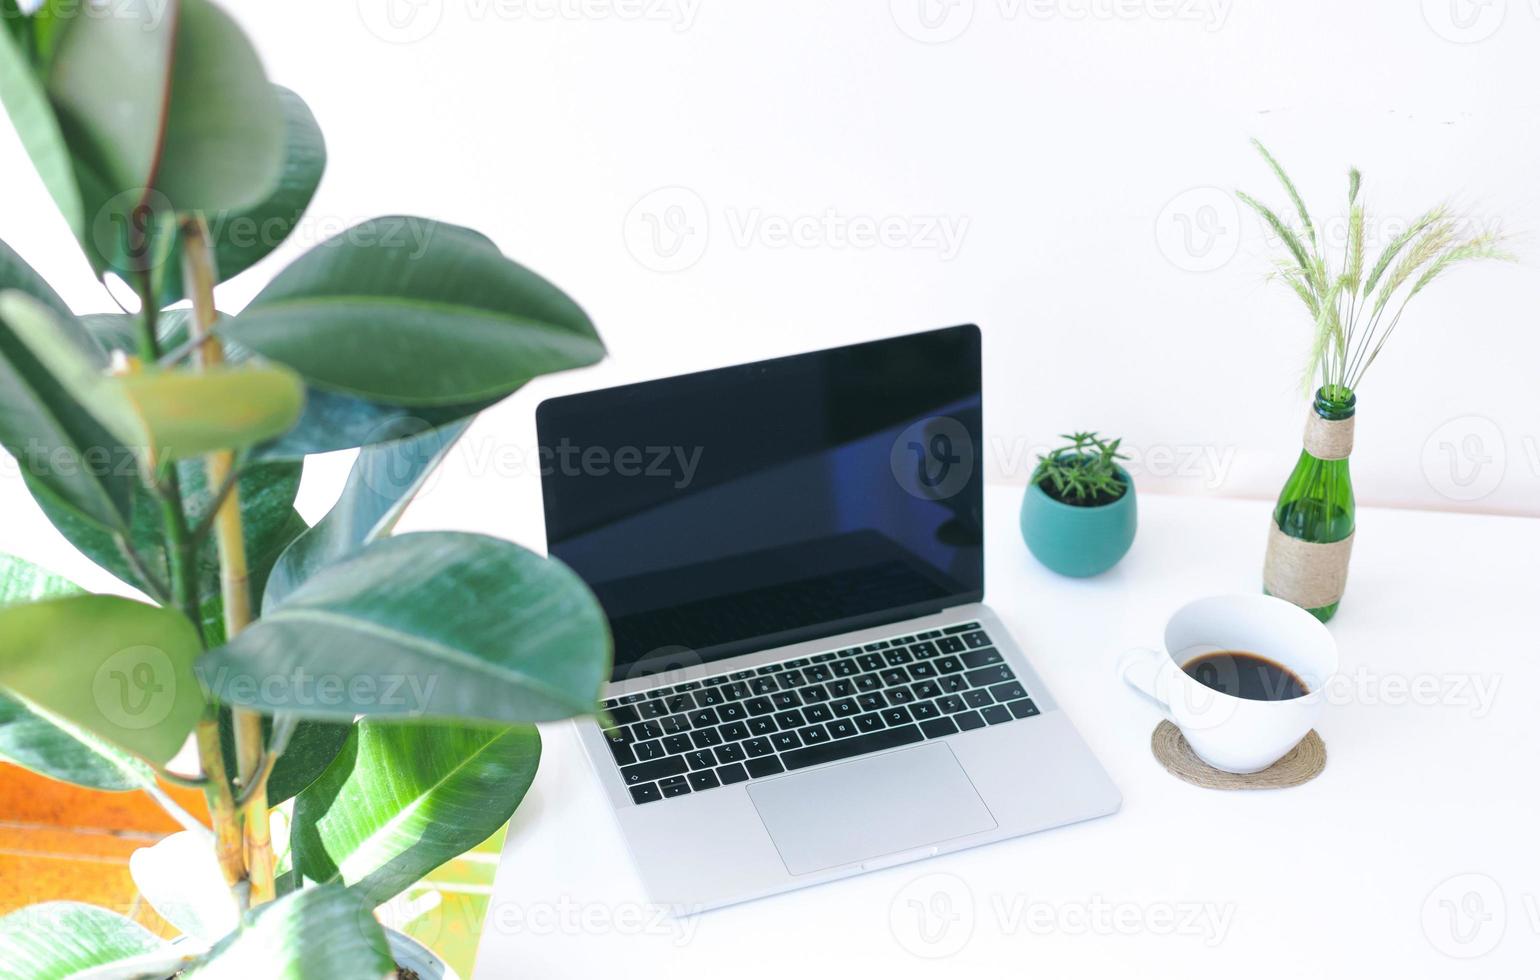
(1232, 733)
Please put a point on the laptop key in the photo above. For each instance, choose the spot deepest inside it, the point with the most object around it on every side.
(674, 786)
(678, 703)
(646, 793)
(846, 748)
(704, 718)
(818, 673)
(996, 713)
(643, 730)
(871, 661)
(734, 773)
(785, 740)
(708, 697)
(978, 698)
(730, 753)
(652, 708)
(1009, 691)
(922, 670)
(897, 657)
(815, 692)
(1023, 708)
(949, 665)
(732, 711)
(976, 639)
(648, 750)
(982, 658)
(761, 726)
(845, 668)
(759, 706)
(845, 707)
(951, 704)
(735, 732)
(870, 722)
(896, 716)
(768, 766)
(989, 675)
(961, 628)
(791, 679)
(925, 650)
(674, 724)
(735, 691)
(873, 701)
(763, 685)
(817, 712)
(825, 657)
(968, 720)
(701, 759)
(624, 715)
(844, 728)
(799, 662)
(790, 719)
(646, 772)
(924, 710)
(938, 727)
(813, 735)
(622, 753)
(950, 644)
(785, 699)
(868, 682)
(677, 743)
(900, 695)
(952, 683)
(757, 747)
(705, 737)
(926, 689)
(705, 779)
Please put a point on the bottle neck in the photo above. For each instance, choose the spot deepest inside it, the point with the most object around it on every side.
(1329, 427)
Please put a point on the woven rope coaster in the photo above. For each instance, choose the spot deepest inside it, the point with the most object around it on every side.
(1303, 763)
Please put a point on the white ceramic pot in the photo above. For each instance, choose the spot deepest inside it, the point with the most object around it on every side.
(415, 956)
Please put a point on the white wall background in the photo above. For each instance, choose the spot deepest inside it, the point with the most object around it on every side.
(1080, 153)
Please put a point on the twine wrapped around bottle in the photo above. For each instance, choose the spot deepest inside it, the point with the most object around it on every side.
(1312, 574)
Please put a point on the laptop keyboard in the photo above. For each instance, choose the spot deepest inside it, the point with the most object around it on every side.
(747, 724)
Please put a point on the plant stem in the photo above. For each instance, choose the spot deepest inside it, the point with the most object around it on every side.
(222, 811)
(234, 577)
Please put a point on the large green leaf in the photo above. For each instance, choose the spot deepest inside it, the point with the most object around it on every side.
(313, 934)
(245, 236)
(409, 311)
(223, 141)
(49, 746)
(434, 624)
(57, 441)
(56, 940)
(21, 91)
(402, 799)
(382, 482)
(162, 414)
(311, 748)
(118, 668)
(108, 82)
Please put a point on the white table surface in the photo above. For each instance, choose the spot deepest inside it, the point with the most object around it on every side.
(1418, 847)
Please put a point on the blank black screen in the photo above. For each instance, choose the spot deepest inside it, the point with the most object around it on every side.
(752, 506)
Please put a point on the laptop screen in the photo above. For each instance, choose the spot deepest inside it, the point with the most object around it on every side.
(733, 510)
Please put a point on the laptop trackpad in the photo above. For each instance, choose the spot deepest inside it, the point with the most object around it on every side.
(869, 807)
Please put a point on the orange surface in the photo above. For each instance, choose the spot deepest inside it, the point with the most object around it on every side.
(63, 842)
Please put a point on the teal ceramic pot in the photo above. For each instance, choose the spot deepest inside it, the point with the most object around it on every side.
(1079, 541)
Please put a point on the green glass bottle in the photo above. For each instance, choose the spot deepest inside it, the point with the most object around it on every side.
(1312, 535)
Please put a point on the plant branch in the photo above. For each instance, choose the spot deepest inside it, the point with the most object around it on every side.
(234, 576)
(206, 522)
(222, 811)
(152, 584)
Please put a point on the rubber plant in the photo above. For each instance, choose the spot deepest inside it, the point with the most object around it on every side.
(356, 706)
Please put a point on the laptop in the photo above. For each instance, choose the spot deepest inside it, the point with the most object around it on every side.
(807, 684)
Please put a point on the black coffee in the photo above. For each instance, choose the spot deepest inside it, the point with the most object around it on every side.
(1245, 675)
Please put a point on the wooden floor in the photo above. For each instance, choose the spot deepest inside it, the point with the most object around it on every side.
(63, 842)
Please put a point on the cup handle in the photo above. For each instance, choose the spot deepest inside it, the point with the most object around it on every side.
(1139, 669)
